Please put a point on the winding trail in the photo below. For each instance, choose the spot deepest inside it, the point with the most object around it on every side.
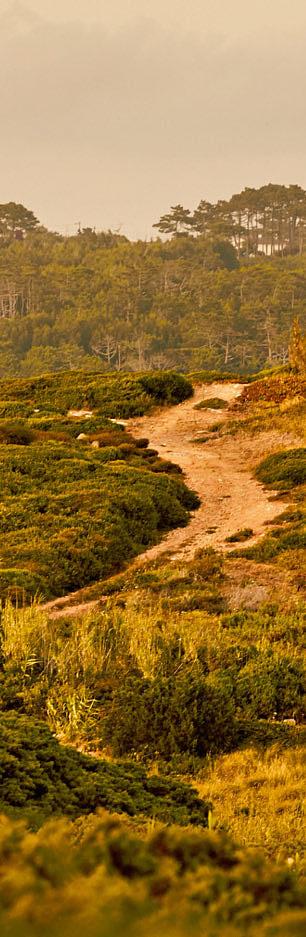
(219, 470)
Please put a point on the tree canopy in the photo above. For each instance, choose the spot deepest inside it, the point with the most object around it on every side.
(222, 291)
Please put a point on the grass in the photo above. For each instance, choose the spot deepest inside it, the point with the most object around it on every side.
(275, 404)
(243, 534)
(211, 403)
(257, 797)
(284, 470)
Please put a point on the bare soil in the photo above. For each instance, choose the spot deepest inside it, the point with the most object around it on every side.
(219, 470)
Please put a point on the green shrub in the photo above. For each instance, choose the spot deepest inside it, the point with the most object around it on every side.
(243, 534)
(70, 514)
(40, 777)
(270, 684)
(283, 470)
(277, 542)
(102, 878)
(170, 715)
(15, 434)
(167, 387)
(211, 403)
(110, 395)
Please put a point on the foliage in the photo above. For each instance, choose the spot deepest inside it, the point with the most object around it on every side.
(271, 218)
(283, 470)
(110, 395)
(275, 388)
(169, 715)
(211, 403)
(97, 302)
(157, 672)
(70, 514)
(243, 534)
(39, 777)
(99, 875)
(15, 434)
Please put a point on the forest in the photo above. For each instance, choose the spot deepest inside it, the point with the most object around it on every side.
(217, 289)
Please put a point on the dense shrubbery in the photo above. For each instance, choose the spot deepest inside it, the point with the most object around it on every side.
(271, 685)
(15, 434)
(146, 676)
(69, 519)
(168, 715)
(110, 395)
(283, 469)
(40, 778)
(286, 471)
(98, 876)
(71, 514)
(275, 388)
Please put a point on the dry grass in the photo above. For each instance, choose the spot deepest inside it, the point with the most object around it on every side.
(266, 416)
(258, 798)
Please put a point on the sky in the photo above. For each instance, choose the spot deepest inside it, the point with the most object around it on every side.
(111, 111)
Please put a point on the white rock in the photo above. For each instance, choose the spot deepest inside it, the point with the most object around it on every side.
(95, 444)
(80, 413)
(82, 436)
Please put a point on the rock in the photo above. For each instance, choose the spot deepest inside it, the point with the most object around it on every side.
(95, 444)
(83, 414)
(82, 436)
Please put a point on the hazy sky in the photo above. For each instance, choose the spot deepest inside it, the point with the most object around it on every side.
(113, 110)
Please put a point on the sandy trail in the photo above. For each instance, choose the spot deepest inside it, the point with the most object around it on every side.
(218, 470)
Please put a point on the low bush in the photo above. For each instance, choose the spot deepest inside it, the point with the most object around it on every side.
(243, 534)
(275, 388)
(211, 403)
(270, 685)
(109, 395)
(101, 877)
(15, 434)
(283, 470)
(71, 514)
(166, 387)
(170, 715)
(40, 778)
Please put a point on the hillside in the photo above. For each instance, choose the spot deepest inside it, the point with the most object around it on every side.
(80, 496)
(170, 687)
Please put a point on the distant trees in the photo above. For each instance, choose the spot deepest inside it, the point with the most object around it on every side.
(271, 220)
(16, 221)
(177, 221)
(99, 301)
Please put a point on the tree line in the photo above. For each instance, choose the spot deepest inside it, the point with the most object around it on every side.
(270, 220)
(98, 301)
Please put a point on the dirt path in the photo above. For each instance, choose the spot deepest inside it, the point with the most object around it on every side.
(218, 470)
